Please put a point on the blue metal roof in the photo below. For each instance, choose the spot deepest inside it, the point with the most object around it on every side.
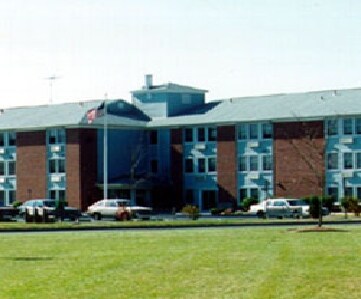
(282, 107)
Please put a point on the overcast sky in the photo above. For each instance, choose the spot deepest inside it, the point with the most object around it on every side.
(232, 48)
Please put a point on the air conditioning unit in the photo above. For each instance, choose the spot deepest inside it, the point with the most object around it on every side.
(2, 180)
(2, 151)
(253, 144)
(55, 179)
(55, 148)
(200, 146)
(346, 140)
(347, 174)
(253, 175)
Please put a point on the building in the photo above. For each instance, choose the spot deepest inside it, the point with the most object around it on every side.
(170, 147)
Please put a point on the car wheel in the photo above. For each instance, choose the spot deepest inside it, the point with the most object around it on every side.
(97, 216)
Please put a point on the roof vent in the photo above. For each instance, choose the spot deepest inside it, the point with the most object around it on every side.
(148, 81)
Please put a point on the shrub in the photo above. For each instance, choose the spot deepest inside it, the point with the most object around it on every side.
(191, 211)
(247, 202)
(350, 204)
(16, 204)
(328, 202)
(314, 202)
(216, 211)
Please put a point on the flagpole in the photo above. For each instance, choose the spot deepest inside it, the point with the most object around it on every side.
(105, 151)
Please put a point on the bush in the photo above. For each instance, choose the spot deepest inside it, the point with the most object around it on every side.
(191, 211)
(16, 204)
(216, 211)
(247, 202)
(328, 202)
(350, 204)
(314, 202)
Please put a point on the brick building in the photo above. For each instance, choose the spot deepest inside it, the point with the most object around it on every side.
(169, 147)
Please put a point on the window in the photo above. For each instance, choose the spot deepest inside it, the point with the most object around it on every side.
(56, 136)
(267, 162)
(253, 131)
(189, 165)
(2, 139)
(189, 196)
(201, 134)
(154, 166)
(347, 126)
(59, 195)
(253, 163)
(348, 191)
(332, 127)
(347, 161)
(2, 168)
(242, 194)
(333, 192)
(209, 199)
(253, 192)
(12, 196)
(332, 161)
(153, 137)
(358, 126)
(212, 164)
(188, 132)
(267, 131)
(56, 166)
(2, 198)
(242, 132)
(212, 134)
(358, 160)
(242, 164)
(201, 165)
(12, 139)
(12, 168)
(186, 98)
(358, 193)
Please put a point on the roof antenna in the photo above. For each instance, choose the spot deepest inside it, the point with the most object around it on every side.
(51, 79)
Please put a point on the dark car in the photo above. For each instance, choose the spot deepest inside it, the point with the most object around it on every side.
(48, 207)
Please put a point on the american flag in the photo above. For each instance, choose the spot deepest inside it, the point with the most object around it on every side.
(92, 114)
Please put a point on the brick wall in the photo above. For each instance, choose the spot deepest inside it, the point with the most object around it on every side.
(81, 167)
(177, 167)
(227, 165)
(298, 158)
(31, 165)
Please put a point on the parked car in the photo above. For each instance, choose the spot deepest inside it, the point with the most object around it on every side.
(279, 208)
(31, 207)
(304, 205)
(118, 209)
(258, 209)
(8, 213)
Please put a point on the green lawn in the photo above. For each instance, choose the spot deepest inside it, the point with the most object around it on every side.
(196, 263)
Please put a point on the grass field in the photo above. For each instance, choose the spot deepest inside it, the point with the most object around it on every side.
(195, 263)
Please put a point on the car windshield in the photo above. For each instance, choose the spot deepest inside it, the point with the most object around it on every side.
(298, 202)
(49, 203)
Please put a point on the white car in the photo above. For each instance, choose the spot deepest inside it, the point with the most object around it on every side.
(279, 208)
(304, 205)
(258, 209)
(109, 208)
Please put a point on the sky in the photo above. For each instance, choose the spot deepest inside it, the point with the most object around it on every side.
(232, 48)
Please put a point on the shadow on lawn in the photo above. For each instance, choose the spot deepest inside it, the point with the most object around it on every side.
(317, 229)
(27, 258)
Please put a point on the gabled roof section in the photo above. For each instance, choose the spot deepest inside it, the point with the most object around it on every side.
(170, 87)
(280, 107)
(121, 113)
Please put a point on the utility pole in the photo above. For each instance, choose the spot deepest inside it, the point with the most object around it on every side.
(51, 79)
